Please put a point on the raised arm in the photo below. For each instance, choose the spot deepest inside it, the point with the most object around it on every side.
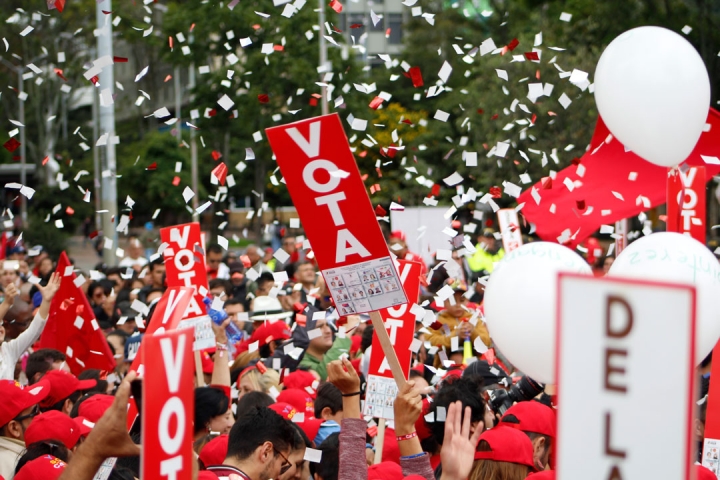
(353, 465)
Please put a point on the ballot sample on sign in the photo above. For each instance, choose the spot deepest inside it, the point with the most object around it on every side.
(380, 397)
(364, 287)
(328, 192)
(204, 334)
(711, 455)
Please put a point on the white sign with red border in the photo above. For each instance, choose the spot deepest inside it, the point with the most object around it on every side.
(624, 370)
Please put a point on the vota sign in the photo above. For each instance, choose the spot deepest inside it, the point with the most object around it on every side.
(324, 182)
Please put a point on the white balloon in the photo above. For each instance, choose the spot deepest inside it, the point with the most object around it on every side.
(653, 92)
(677, 258)
(520, 305)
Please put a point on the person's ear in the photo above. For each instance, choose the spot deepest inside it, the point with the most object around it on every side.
(14, 429)
(699, 429)
(67, 407)
(539, 450)
(475, 425)
(266, 452)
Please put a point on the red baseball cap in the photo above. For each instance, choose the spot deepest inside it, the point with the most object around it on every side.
(62, 385)
(704, 473)
(207, 363)
(215, 451)
(385, 471)
(267, 332)
(53, 425)
(300, 399)
(507, 445)
(421, 426)
(16, 399)
(534, 417)
(94, 407)
(84, 425)
(46, 467)
(311, 426)
(301, 379)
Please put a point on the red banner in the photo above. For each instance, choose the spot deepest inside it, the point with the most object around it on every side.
(686, 202)
(324, 182)
(185, 267)
(168, 406)
(72, 327)
(400, 324)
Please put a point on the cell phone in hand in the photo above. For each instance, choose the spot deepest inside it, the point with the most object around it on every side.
(136, 387)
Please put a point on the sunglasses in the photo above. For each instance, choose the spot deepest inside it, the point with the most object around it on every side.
(286, 463)
(35, 411)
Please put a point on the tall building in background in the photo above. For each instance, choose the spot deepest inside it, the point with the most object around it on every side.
(383, 37)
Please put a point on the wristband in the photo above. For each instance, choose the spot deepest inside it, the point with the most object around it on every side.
(410, 457)
(400, 438)
(221, 346)
(350, 394)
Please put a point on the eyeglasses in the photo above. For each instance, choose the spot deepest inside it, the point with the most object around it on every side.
(35, 411)
(286, 463)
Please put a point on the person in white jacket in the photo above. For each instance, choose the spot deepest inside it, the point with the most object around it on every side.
(11, 351)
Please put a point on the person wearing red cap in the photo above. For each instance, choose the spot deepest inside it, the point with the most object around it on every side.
(94, 407)
(300, 399)
(53, 425)
(11, 351)
(46, 467)
(303, 380)
(17, 409)
(538, 422)
(65, 390)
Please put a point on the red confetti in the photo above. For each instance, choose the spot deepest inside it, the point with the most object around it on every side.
(220, 172)
(170, 42)
(480, 111)
(337, 6)
(546, 183)
(278, 48)
(212, 112)
(575, 161)
(387, 33)
(59, 73)
(375, 103)
(416, 77)
(494, 117)
(489, 223)
(95, 80)
(532, 56)
(380, 211)
(580, 204)
(11, 145)
(69, 210)
(662, 218)
(192, 27)
(176, 181)
(372, 431)
(216, 155)
(495, 192)
(60, 5)
(534, 117)
(168, 78)
(313, 102)
(120, 59)
(94, 234)
(152, 166)
(513, 44)
(45, 160)
(408, 121)
(435, 190)
(263, 98)
(107, 12)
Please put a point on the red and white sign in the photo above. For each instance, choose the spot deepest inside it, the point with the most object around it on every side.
(686, 202)
(614, 401)
(168, 406)
(322, 177)
(400, 325)
(510, 229)
(185, 267)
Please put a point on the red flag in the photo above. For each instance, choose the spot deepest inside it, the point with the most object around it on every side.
(73, 329)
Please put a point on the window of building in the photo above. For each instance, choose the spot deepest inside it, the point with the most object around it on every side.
(394, 23)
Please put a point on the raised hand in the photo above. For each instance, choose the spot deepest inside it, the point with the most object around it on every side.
(342, 374)
(48, 291)
(407, 407)
(11, 291)
(458, 449)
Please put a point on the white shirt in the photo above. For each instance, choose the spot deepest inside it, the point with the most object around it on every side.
(11, 351)
(128, 262)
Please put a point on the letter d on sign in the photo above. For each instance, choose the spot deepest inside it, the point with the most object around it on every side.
(168, 406)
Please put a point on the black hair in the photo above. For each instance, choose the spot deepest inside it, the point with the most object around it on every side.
(41, 361)
(209, 402)
(219, 282)
(301, 438)
(121, 473)
(114, 271)
(416, 374)
(94, 374)
(465, 389)
(253, 400)
(707, 360)
(265, 277)
(214, 248)
(330, 466)
(234, 301)
(366, 339)
(119, 333)
(43, 447)
(131, 463)
(158, 261)
(256, 427)
(74, 413)
(329, 396)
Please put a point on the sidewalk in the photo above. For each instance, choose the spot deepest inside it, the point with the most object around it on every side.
(85, 258)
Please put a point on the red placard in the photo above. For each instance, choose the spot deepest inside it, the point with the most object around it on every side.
(168, 406)
(185, 267)
(72, 327)
(324, 182)
(400, 324)
(686, 202)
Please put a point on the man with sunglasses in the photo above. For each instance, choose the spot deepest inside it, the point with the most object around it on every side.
(17, 409)
(258, 447)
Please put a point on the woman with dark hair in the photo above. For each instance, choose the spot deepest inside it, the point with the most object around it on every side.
(38, 449)
(212, 413)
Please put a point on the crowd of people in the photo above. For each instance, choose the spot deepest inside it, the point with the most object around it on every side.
(284, 400)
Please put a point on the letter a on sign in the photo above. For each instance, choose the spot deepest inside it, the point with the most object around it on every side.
(324, 182)
(168, 406)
